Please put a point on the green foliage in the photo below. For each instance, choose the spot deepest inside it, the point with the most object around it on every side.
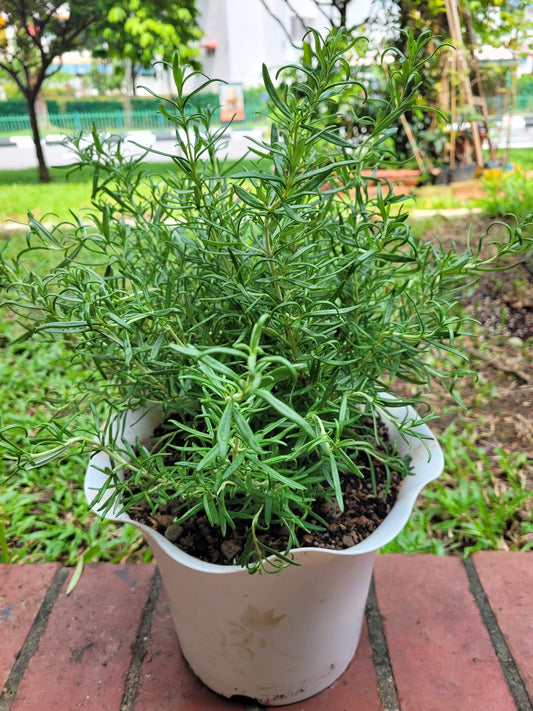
(472, 509)
(38, 33)
(154, 28)
(267, 310)
(494, 22)
(525, 84)
(23, 192)
(88, 105)
(141, 103)
(522, 158)
(482, 22)
(105, 82)
(61, 105)
(52, 106)
(354, 109)
(10, 89)
(18, 107)
(508, 192)
(13, 107)
(44, 517)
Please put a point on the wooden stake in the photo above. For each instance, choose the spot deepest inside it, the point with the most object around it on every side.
(452, 15)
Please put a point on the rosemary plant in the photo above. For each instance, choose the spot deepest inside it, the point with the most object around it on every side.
(267, 311)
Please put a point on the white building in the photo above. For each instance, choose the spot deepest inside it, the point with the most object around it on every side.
(241, 35)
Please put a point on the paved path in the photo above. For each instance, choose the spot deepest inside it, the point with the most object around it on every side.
(18, 152)
(441, 634)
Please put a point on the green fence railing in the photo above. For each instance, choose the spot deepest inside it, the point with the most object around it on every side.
(116, 121)
(113, 121)
(14, 124)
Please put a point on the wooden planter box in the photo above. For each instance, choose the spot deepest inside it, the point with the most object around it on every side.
(400, 176)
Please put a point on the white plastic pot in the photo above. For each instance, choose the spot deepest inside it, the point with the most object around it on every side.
(276, 638)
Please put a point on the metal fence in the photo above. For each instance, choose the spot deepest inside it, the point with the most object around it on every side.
(113, 121)
(151, 120)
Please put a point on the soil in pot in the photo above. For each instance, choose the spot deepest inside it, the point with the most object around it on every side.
(366, 504)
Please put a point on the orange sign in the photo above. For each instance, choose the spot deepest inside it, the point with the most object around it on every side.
(231, 103)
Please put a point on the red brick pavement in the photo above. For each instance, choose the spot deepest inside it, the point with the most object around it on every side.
(441, 634)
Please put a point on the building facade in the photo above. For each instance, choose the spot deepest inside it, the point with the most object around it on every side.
(241, 35)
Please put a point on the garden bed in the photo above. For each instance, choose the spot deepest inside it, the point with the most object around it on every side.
(485, 496)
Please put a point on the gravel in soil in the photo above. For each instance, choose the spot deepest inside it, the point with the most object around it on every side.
(365, 507)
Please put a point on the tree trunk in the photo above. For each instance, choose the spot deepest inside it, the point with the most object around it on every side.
(44, 175)
(341, 7)
(41, 109)
(343, 15)
(128, 75)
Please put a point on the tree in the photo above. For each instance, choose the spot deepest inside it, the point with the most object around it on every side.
(36, 33)
(105, 77)
(140, 32)
(476, 22)
(481, 22)
(334, 13)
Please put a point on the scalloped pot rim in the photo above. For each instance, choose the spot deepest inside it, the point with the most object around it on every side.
(427, 460)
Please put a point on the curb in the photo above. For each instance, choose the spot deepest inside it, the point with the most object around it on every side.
(157, 135)
(448, 213)
(7, 228)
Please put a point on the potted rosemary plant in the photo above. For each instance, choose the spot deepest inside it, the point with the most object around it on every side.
(246, 326)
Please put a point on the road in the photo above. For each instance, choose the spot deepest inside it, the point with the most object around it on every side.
(19, 151)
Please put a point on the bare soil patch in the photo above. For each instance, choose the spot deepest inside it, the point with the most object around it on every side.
(500, 351)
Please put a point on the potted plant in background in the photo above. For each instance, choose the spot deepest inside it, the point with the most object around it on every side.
(246, 327)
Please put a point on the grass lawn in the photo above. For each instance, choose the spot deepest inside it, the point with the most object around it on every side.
(522, 157)
(71, 190)
(43, 512)
(68, 190)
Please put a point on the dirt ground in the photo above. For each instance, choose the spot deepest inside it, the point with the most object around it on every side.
(501, 352)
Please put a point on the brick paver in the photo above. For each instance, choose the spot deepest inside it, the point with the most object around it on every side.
(441, 635)
(441, 654)
(508, 583)
(22, 591)
(85, 651)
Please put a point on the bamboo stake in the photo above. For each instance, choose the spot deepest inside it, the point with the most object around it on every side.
(453, 108)
(419, 155)
(452, 14)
